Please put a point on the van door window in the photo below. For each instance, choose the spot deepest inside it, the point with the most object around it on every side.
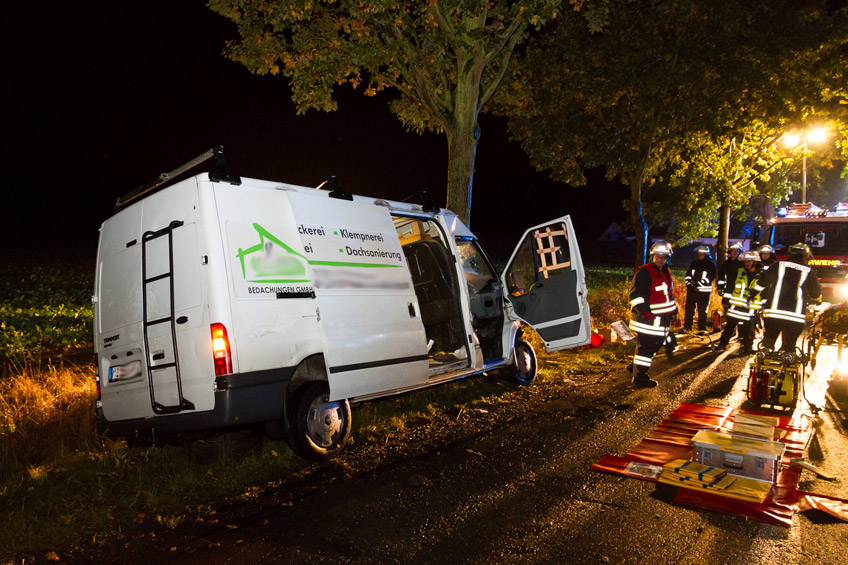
(542, 255)
(545, 284)
(436, 286)
(485, 299)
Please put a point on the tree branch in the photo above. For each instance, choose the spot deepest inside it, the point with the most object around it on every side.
(503, 63)
(446, 25)
(420, 82)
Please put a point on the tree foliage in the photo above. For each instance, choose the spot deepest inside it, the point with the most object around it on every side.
(664, 79)
(443, 58)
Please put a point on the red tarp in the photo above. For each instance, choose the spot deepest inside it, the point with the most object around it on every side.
(672, 440)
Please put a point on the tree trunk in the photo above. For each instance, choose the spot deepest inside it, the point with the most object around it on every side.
(462, 151)
(640, 227)
(723, 229)
(463, 133)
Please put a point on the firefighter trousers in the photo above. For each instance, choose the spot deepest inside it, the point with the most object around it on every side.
(788, 332)
(647, 346)
(696, 299)
(745, 329)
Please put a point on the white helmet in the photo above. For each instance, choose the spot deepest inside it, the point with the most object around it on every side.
(766, 248)
(751, 256)
(703, 249)
(737, 246)
(661, 248)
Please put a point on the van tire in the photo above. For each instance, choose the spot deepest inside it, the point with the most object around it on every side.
(524, 363)
(321, 428)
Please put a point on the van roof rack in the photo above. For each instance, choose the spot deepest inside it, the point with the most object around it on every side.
(220, 174)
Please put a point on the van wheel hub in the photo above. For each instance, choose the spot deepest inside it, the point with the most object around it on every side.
(324, 421)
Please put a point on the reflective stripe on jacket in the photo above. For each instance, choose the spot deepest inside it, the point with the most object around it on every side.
(652, 296)
(745, 300)
(789, 286)
(700, 275)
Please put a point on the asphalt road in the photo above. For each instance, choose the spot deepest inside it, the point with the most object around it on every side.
(516, 488)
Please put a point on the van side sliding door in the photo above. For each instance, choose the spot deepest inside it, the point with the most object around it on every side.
(369, 317)
(545, 285)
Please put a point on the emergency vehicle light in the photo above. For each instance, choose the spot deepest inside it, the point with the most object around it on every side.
(221, 350)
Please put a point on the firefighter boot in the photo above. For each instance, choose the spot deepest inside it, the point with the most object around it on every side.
(641, 378)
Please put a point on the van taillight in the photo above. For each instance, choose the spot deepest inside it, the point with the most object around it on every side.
(221, 350)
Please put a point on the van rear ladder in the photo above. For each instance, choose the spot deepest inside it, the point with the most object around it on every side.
(149, 236)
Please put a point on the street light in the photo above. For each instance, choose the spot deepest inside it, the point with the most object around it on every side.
(814, 135)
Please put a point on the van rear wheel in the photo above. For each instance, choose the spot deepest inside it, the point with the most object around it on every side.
(321, 428)
(524, 362)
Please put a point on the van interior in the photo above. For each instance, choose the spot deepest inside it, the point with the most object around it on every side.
(434, 277)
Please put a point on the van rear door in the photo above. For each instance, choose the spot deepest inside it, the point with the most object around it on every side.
(151, 325)
(369, 317)
(544, 283)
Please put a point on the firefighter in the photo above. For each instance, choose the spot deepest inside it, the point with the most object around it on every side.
(699, 284)
(767, 258)
(745, 302)
(652, 310)
(789, 286)
(726, 280)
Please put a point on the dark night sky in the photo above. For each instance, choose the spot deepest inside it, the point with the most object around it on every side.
(102, 96)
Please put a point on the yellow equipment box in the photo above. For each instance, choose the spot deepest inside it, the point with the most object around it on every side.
(741, 456)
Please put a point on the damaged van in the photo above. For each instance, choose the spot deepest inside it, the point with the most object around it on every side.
(223, 302)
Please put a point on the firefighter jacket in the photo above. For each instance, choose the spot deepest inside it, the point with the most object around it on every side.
(789, 287)
(727, 276)
(701, 274)
(746, 299)
(652, 301)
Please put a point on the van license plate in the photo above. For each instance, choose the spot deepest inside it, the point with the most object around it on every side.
(125, 372)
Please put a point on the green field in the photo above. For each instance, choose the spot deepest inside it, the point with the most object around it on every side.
(45, 303)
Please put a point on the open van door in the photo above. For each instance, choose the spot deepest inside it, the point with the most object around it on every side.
(545, 284)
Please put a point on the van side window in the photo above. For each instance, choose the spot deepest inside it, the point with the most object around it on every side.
(478, 275)
(543, 254)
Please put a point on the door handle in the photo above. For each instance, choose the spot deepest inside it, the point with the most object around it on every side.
(411, 310)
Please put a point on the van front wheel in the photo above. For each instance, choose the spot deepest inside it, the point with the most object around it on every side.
(524, 362)
(321, 427)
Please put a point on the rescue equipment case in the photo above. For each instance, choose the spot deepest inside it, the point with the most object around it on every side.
(741, 456)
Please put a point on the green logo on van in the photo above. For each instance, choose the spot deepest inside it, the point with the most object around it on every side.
(271, 261)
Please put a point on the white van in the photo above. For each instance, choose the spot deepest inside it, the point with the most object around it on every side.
(223, 302)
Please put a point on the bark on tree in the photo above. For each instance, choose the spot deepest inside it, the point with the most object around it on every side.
(462, 149)
(463, 130)
(640, 226)
(723, 230)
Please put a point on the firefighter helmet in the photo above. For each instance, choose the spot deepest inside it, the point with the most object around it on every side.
(766, 248)
(703, 249)
(801, 249)
(661, 248)
(737, 246)
(751, 256)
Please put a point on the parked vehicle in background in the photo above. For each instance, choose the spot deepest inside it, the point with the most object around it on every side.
(222, 302)
(826, 232)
